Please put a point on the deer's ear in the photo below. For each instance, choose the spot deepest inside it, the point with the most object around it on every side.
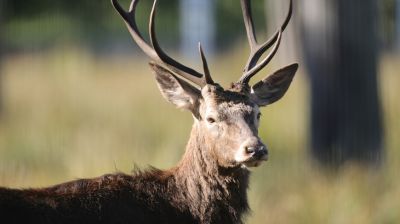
(175, 90)
(272, 88)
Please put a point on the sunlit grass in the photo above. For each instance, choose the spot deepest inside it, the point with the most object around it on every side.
(69, 114)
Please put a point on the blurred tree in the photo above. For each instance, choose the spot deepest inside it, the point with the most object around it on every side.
(197, 25)
(94, 24)
(340, 46)
(229, 24)
(276, 12)
(387, 24)
(398, 24)
(1, 55)
(38, 25)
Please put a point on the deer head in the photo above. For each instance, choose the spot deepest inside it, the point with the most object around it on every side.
(227, 119)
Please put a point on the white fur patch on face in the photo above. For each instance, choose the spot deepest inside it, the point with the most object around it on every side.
(241, 156)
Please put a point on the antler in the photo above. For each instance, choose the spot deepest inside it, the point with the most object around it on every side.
(257, 50)
(154, 51)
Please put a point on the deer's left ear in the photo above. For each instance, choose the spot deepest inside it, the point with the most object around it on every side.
(175, 90)
(272, 88)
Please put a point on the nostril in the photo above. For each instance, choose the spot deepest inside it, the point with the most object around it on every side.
(262, 151)
(250, 149)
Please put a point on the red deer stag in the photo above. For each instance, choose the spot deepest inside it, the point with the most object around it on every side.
(209, 184)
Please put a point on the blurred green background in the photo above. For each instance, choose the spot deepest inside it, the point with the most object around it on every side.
(78, 100)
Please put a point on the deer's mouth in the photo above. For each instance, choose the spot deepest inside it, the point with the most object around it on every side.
(252, 156)
(255, 161)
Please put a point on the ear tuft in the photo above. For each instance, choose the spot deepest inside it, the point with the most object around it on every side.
(274, 87)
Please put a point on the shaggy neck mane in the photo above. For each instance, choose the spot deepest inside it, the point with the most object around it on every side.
(211, 190)
(197, 190)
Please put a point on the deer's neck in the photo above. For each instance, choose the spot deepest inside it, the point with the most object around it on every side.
(209, 188)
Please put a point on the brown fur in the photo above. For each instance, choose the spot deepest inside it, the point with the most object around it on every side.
(195, 191)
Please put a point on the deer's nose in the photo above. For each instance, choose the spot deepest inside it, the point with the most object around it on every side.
(255, 148)
(257, 151)
(251, 150)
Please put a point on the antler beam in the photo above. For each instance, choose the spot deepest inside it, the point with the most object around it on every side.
(257, 50)
(154, 50)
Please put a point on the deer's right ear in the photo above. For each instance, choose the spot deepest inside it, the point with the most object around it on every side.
(175, 90)
(273, 87)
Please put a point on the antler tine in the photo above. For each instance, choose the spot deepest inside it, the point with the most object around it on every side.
(257, 50)
(249, 74)
(248, 22)
(129, 19)
(255, 55)
(155, 52)
(175, 66)
(207, 75)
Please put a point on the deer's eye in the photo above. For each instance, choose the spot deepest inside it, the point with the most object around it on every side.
(210, 120)
(259, 116)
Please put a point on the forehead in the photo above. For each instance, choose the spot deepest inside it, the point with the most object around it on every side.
(229, 102)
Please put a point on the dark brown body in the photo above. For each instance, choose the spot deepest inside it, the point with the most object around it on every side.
(115, 198)
(196, 191)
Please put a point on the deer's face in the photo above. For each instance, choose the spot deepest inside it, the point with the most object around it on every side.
(227, 120)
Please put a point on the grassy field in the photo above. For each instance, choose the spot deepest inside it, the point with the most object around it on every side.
(69, 114)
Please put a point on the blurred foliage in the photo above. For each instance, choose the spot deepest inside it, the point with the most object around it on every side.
(32, 24)
(388, 20)
(230, 21)
(47, 22)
